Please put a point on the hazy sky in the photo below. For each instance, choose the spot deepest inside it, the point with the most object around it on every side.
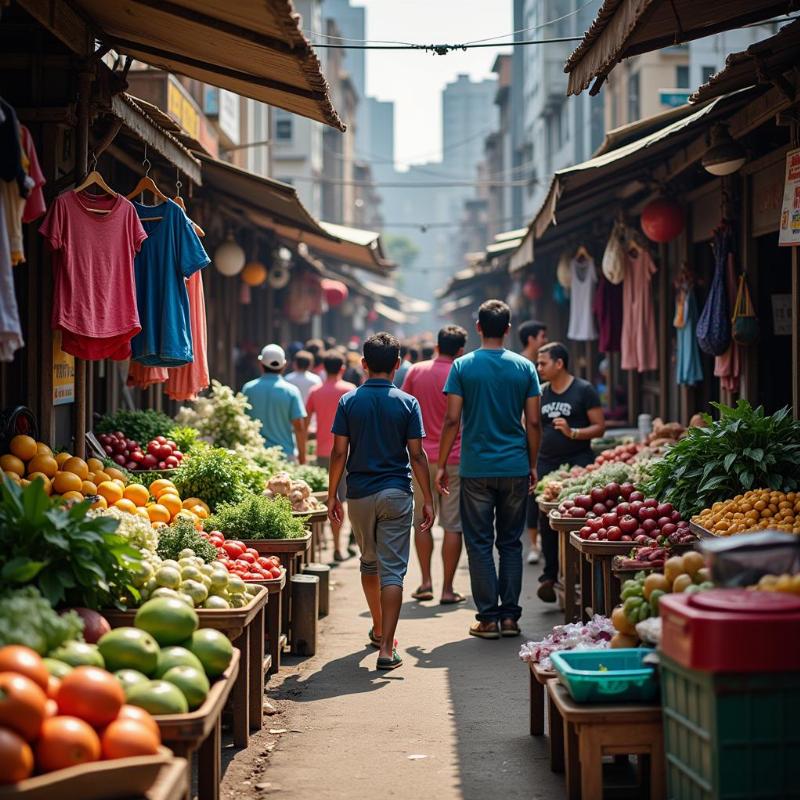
(414, 80)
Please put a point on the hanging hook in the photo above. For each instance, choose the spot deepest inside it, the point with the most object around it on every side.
(178, 183)
(146, 161)
(94, 160)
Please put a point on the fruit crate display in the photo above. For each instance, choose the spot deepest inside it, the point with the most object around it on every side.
(275, 638)
(729, 736)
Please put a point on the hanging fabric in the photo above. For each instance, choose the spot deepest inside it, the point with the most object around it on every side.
(745, 321)
(142, 377)
(564, 271)
(583, 280)
(35, 206)
(689, 365)
(185, 383)
(639, 348)
(714, 325)
(728, 366)
(10, 330)
(613, 264)
(607, 307)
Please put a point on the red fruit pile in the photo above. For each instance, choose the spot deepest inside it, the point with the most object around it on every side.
(244, 561)
(162, 453)
(621, 454)
(125, 452)
(621, 513)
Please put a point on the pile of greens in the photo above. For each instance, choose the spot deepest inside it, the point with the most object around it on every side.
(184, 436)
(218, 476)
(141, 426)
(180, 535)
(315, 477)
(71, 556)
(745, 449)
(257, 517)
(27, 618)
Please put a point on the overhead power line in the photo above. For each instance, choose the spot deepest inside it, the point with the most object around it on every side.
(443, 49)
(415, 185)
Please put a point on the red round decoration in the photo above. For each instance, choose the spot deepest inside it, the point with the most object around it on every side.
(372, 316)
(662, 220)
(335, 292)
(531, 289)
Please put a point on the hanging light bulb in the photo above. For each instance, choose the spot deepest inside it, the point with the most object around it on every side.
(229, 257)
(725, 156)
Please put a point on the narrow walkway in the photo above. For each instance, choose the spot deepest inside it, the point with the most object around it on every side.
(348, 731)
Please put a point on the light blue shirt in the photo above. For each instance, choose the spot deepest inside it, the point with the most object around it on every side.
(494, 385)
(275, 404)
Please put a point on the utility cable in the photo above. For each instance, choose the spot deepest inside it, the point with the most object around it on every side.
(443, 49)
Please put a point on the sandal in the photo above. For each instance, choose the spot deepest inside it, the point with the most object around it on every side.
(374, 640)
(456, 598)
(484, 633)
(509, 627)
(390, 663)
(423, 594)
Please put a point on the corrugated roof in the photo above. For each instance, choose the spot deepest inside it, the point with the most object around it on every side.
(250, 47)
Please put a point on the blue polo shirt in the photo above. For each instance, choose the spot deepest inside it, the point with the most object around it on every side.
(275, 403)
(494, 385)
(379, 419)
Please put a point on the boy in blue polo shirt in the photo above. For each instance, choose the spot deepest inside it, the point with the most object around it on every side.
(378, 435)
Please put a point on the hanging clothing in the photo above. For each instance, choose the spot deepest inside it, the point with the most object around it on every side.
(35, 206)
(10, 330)
(639, 344)
(607, 308)
(185, 383)
(728, 366)
(583, 280)
(143, 377)
(613, 264)
(94, 294)
(689, 366)
(171, 254)
(16, 183)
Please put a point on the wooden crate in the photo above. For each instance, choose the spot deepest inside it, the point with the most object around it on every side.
(275, 638)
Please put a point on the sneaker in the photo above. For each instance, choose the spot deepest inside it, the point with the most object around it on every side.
(534, 555)
(546, 591)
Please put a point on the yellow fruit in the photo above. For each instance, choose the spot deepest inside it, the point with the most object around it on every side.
(43, 450)
(46, 464)
(77, 466)
(621, 622)
(110, 490)
(681, 583)
(136, 493)
(119, 483)
(76, 497)
(33, 476)
(191, 502)
(10, 463)
(784, 584)
(672, 568)
(156, 525)
(11, 476)
(100, 476)
(158, 487)
(126, 505)
(23, 447)
(201, 511)
(89, 487)
(796, 584)
(171, 502)
(99, 503)
(653, 581)
(195, 520)
(62, 457)
(141, 511)
(94, 464)
(24, 482)
(623, 640)
(113, 472)
(64, 482)
(693, 562)
(158, 513)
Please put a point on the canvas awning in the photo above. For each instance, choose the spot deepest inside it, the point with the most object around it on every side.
(456, 305)
(505, 242)
(250, 47)
(625, 28)
(392, 314)
(764, 62)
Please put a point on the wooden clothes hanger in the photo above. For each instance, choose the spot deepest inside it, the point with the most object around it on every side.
(147, 184)
(582, 254)
(94, 178)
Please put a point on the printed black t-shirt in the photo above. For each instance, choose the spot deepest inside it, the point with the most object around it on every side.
(573, 405)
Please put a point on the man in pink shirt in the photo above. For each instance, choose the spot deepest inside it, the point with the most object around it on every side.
(322, 403)
(425, 381)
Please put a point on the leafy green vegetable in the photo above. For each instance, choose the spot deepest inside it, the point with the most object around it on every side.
(315, 477)
(184, 436)
(27, 618)
(143, 477)
(745, 449)
(180, 535)
(215, 475)
(257, 517)
(72, 557)
(142, 426)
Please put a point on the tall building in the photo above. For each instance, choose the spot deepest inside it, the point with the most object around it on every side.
(379, 138)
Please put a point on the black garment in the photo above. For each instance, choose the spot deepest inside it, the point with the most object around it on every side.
(573, 405)
(11, 168)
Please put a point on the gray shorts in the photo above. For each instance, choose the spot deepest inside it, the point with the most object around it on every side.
(341, 489)
(445, 506)
(382, 527)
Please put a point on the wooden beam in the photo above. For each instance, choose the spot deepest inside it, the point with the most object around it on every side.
(63, 22)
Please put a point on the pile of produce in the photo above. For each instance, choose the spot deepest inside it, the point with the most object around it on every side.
(298, 492)
(642, 594)
(648, 558)
(257, 517)
(246, 562)
(549, 486)
(49, 723)
(745, 448)
(160, 453)
(621, 454)
(315, 477)
(664, 433)
(594, 635)
(779, 583)
(586, 480)
(139, 426)
(27, 618)
(756, 510)
(619, 513)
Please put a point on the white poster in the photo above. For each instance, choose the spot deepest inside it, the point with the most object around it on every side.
(790, 211)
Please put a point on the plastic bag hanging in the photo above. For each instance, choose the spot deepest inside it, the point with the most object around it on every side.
(714, 324)
(745, 321)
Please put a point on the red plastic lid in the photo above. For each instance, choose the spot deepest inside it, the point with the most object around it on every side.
(742, 601)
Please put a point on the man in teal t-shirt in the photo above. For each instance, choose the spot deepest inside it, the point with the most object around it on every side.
(278, 405)
(492, 388)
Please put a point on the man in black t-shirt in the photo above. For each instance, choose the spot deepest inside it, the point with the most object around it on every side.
(571, 417)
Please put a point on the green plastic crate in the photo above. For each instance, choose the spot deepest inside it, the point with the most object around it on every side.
(731, 736)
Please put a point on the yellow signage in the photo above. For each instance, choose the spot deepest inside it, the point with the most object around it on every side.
(181, 107)
(63, 373)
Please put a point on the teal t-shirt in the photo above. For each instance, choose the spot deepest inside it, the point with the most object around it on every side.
(494, 385)
(275, 403)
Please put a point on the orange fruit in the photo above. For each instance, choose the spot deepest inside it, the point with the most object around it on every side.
(126, 505)
(64, 482)
(66, 742)
(16, 757)
(158, 513)
(76, 465)
(156, 525)
(119, 482)
(193, 518)
(24, 661)
(43, 450)
(24, 482)
(89, 487)
(141, 511)
(100, 476)
(10, 463)
(45, 464)
(114, 473)
(141, 716)
(94, 464)
(201, 511)
(22, 707)
(100, 503)
(62, 457)
(23, 447)
(91, 694)
(73, 496)
(191, 502)
(48, 487)
(158, 487)
(137, 493)
(171, 502)
(126, 738)
(110, 490)
(11, 476)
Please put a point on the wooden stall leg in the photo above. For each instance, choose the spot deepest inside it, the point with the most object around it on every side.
(555, 729)
(591, 758)
(586, 588)
(305, 602)
(323, 572)
(209, 773)
(608, 592)
(274, 630)
(537, 705)
(572, 763)
(239, 695)
(256, 669)
(658, 777)
(571, 603)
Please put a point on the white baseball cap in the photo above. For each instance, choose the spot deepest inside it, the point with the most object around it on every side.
(272, 356)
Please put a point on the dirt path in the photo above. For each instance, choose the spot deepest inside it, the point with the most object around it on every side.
(451, 723)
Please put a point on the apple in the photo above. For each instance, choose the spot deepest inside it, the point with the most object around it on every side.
(610, 503)
(109, 450)
(662, 521)
(118, 446)
(614, 533)
(599, 509)
(642, 538)
(610, 519)
(131, 465)
(626, 538)
(160, 439)
(623, 508)
(178, 454)
(568, 504)
(628, 524)
(602, 533)
(669, 529)
(649, 525)
(665, 509)
(149, 461)
(634, 496)
(584, 532)
(626, 489)
(636, 507)
(639, 532)
(137, 456)
(595, 523)
(612, 489)
(162, 464)
(171, 462)
(171, 444)
(153, 448)
(651, 503)
(120, 459)
(577, 512)
(599, 494)
(584, 501)
(648, 512)
(593, 537)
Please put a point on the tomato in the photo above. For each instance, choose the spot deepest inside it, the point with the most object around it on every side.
(23, 705)
(264, 562)
(51, 708)
(53, 685)
(91, 694)
(250, 559)
(276, 573)
(16, 758)
(125, 738)
(275, 560)
(141, 716)
(160, 439)
(216, 539)
(233, 549)
(251, 551)
(27, 662)
(66, 742)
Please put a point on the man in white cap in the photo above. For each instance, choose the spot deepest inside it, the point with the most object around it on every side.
(278, 405)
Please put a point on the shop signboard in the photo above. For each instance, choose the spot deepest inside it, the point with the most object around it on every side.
(790, 211)
(672, 98)
(181, 106)
(63, 373)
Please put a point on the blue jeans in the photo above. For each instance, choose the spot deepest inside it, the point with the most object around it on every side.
(487, 503)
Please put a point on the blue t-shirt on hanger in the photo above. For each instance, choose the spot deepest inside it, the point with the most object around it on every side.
(171, 253)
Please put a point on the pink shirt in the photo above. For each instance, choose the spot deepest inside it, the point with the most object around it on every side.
(323, 401)
(425, 381)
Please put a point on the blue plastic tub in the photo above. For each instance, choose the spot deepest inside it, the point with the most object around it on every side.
(607, 676)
